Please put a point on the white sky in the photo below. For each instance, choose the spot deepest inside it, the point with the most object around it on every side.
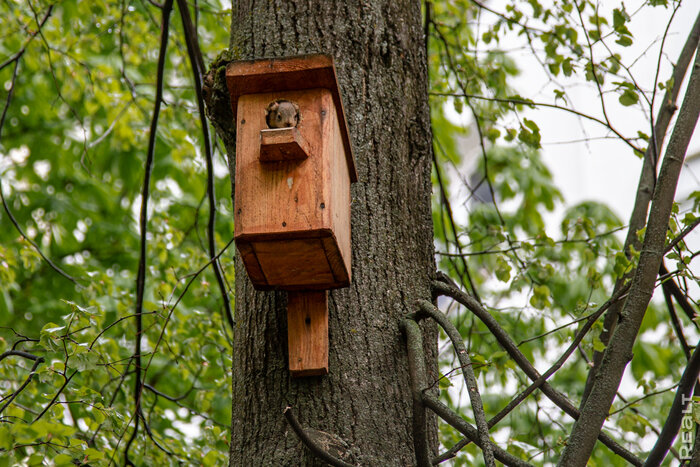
(600, 168)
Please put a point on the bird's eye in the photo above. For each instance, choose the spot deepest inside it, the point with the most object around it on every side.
(279, 117)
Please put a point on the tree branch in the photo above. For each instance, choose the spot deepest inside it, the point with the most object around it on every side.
(427, 309)
(645, 187)
(56, 396)
(619, 351)
(143, 221)
(418, 375)
(197, 64)
(675, 416)
(469, 431)
(446, 287)
(681, 299)
(19, 353)
(310, 443)
(37, 362)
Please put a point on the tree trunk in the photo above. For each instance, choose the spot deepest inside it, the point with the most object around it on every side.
(365, 401)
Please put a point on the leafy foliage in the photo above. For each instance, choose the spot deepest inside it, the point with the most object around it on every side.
(79, 80)
(73, 151)
(537, 279)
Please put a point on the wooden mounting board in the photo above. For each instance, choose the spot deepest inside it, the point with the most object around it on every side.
(307, 332)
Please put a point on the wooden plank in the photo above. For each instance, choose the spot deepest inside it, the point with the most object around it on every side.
(252, 265)
(280, 196)
(280, 74)
(294, 263)
(277, 75)
(339, 209)
(313, 262)
(283, 235)
(282, 144)
(307, 333)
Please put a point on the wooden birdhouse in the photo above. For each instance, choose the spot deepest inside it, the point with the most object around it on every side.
(294, 166)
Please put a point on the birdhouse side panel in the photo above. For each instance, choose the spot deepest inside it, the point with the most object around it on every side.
(338, 186)
(278, 197)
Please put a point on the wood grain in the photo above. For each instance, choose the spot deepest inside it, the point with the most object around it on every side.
(307, 333)
(281, 196)
(292, 217)
(282, 144)
(290, 74)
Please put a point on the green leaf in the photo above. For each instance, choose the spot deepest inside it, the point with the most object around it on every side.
(211, 459)
(63, 460)
(502, 269)
(624, 41)
(529, 133)
(93, 454)
(598, 345)
(444, 382)
(629, 97)
(540, 297)
(5, 438)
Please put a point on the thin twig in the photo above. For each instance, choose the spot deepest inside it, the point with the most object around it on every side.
(197, 64)
(519, 101)
(18, 353)
(55, 397)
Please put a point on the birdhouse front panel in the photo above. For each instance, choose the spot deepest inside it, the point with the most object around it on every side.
(292, 195)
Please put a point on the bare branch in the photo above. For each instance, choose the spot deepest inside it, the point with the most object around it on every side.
(446, 287)
(418, 374)
(675, 416)
(469, 431)
(427, 309)
(143, 222)
(197, 64)
(619, 351)
(646, 184)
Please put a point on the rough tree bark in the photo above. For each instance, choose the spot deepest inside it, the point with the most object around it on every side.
(365, 403)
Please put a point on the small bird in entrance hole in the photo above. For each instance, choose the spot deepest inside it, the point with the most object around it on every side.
(282, 114)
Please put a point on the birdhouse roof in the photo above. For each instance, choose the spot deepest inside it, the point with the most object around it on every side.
(290, 74)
